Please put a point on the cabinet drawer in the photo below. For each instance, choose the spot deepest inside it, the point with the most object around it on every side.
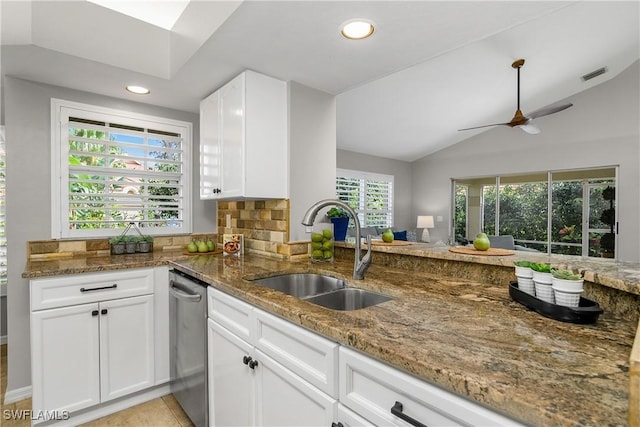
(371, 389)
(230, 312)
(307, 354)
(63, 291)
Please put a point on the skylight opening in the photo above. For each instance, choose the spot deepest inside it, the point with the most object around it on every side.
(163, 14)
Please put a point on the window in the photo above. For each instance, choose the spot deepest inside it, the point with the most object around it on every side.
(569, 212)
(369, 194)
(114, 167)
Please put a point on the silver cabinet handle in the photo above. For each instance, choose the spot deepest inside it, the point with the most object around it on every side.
(182, 295)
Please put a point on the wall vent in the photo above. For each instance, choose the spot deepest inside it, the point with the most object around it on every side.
(594, 74)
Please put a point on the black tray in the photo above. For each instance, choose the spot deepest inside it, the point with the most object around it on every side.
(587, 311)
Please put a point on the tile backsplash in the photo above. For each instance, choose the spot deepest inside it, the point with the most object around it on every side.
(264, 224)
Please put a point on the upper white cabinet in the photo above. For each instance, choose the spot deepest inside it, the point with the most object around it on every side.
(243, 139)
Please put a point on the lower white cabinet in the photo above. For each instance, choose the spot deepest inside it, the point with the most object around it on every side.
(90, 353)
(388, 396)
(248, 387)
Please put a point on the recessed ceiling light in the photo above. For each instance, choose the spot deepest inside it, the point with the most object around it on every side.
(139, 90)
(357, 29)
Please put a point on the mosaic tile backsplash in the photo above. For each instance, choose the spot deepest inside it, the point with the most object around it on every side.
(264, 224)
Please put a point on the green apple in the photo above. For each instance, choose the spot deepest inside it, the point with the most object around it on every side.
(481, 242)
(387, 236)
(211, 245)
(192, 247)
(316, 237)
(202, 247)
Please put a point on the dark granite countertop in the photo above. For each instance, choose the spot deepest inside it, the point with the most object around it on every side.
(466, 336)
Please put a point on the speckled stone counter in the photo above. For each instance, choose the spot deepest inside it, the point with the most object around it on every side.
(465, 335)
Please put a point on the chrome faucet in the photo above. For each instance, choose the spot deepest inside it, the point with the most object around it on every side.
(360, 265)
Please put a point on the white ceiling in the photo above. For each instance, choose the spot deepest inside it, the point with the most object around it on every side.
(431, 67)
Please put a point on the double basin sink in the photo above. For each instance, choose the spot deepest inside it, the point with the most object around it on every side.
(321, 290)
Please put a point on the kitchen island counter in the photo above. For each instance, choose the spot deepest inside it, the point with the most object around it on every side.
(466, 336)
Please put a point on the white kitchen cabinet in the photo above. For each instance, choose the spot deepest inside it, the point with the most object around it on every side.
(243, 139)
(348, 418)
(126, 346)
(92, 352)
(248, 386)
(388, 396)
(231, 382)
(65, 362)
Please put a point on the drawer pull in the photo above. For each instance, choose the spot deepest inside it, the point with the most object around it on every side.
(397, 411)
(103, 311)
(99, 289)
(94, 313)
(338, 424)
(246, 360)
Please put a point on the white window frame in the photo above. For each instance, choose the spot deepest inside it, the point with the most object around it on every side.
(369, 176)
(60, 111)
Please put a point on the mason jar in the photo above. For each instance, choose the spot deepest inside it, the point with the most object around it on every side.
(322, 242)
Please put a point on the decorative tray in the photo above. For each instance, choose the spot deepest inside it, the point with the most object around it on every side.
(473, 251)
(586, 313)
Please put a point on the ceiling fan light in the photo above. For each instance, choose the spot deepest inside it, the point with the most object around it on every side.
(357, 29)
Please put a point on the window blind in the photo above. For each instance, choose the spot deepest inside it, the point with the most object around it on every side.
(370, 195)
(116, 170)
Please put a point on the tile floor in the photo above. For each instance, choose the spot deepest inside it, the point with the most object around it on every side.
(161, 412)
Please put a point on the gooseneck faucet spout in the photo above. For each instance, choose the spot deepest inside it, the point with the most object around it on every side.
(360, 265)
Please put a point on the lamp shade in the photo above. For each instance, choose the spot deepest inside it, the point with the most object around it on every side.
(425, 221)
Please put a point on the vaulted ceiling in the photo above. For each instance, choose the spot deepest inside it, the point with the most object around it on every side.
(431, 67)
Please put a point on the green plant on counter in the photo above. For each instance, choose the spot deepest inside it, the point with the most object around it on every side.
(565, 275)
(524, 264)
(117, 240)
(337, 213)
(145, 238)
(541, 267)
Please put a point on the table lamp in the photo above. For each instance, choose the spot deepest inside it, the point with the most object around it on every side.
(425, 222)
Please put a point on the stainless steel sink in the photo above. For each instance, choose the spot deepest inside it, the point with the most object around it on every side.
(301, 285)
(321, 290)
(348, 299)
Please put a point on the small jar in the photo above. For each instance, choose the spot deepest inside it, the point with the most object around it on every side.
(322, 242)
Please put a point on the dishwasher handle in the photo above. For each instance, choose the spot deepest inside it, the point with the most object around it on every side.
(181, 294)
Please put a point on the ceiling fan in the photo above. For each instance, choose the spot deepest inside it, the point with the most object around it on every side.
(519, 119)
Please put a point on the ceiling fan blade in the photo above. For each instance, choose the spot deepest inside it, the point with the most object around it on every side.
(530, 129)
(549, 110)
(485, 126)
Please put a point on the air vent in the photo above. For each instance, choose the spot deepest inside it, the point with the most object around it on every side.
(594, 74)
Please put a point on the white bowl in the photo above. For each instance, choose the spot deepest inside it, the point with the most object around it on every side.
(545, 278)
(568, 285)
(524, 272)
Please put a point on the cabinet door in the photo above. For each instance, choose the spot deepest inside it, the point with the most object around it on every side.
(210, 160)
(285, 399)
(231, 381)
(232, 113)
(126, 346)
(348, 418)
(65, 358)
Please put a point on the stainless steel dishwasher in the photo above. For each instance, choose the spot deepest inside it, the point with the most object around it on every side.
(188, 332)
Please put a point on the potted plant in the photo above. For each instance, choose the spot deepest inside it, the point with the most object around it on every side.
(567, 287)
(542, 280)
(117, 245)
(130, 244)
(340, 220)
(145, 244)
(524, 274)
